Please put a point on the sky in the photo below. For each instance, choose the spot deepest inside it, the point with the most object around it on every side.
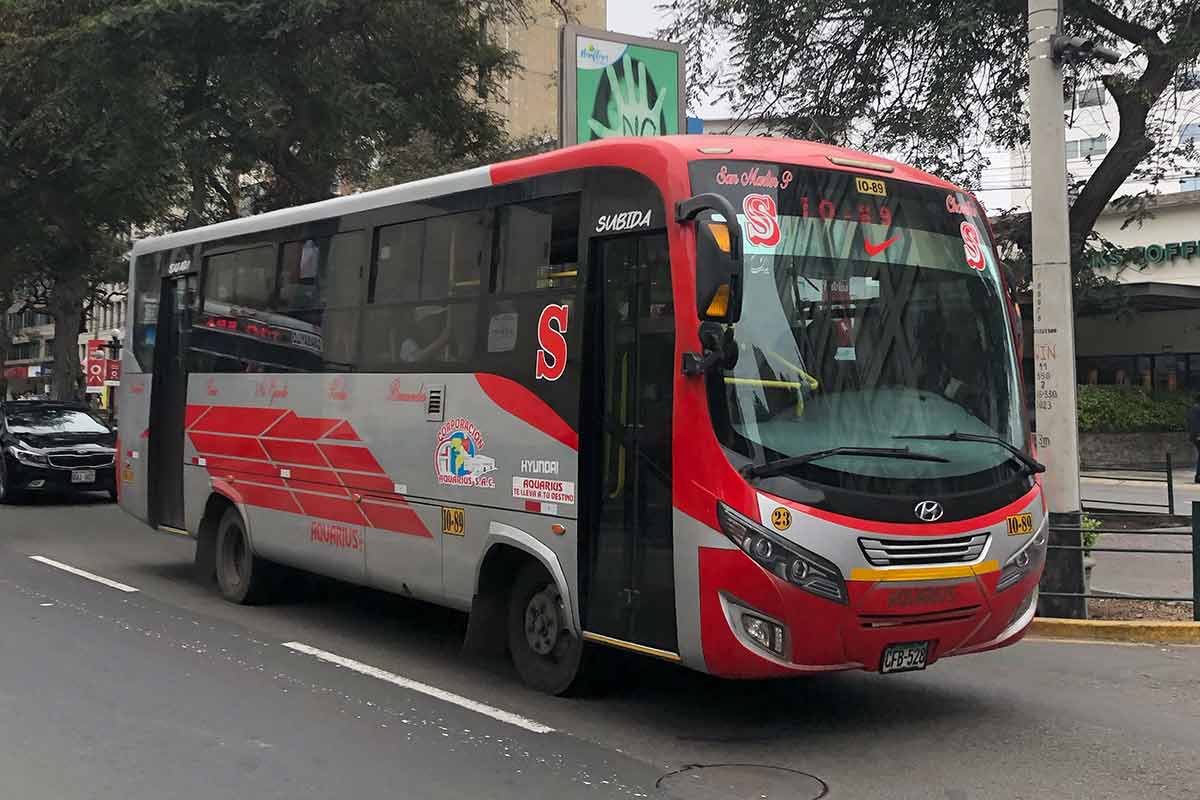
(640, 18)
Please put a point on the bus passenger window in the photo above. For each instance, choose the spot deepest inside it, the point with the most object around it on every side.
(539, 245)
(397, 337)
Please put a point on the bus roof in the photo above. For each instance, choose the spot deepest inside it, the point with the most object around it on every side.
(629, 151)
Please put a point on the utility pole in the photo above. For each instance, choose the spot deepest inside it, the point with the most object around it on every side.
(1053, 313)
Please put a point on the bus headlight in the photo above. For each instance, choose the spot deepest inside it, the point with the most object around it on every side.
(787, 561)
(1026, 560)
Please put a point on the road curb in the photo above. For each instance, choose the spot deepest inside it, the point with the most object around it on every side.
(1148, 631)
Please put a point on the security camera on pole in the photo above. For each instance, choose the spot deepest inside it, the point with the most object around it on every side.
(1053, 314)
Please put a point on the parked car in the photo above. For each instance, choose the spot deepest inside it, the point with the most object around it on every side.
(50, 446)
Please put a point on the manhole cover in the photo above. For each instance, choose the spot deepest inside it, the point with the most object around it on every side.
(741, 782)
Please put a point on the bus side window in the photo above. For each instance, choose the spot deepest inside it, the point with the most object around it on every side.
(539, 245)
(415, 317)
(319, 289)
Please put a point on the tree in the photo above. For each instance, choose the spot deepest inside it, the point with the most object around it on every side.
(935, 82)
(277, 102)
(82, 158)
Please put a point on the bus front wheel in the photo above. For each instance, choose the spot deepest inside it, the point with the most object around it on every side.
(242, 577)
(547, 654)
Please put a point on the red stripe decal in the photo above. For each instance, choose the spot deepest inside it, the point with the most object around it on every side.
(268, 497)
(285, 452)
(395, 517)
(235, 446)
(335, 508)
(307, 428)
(246, 421)
(345, 431)
(533, 505)
(309, 486)
(323, 476)
(193, 413)
(527, 406)
(358, 459)
(918, 528)
(238, 466)
(368, 483)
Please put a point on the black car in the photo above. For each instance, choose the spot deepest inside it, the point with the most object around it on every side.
(49, 446)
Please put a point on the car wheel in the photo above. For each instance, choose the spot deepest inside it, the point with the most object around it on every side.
(242, 577)
(548, 656)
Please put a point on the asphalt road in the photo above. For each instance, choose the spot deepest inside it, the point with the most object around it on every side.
(170, 692)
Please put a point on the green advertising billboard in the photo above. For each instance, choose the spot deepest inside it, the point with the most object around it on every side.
(618, 85)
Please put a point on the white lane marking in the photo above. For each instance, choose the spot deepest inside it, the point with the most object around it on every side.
(91, 576)
(423, 688)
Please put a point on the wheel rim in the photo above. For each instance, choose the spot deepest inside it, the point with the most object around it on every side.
(544, 629)
(233, 556)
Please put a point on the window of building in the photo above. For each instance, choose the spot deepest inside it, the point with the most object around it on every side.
(1189, 133)
(1189, 184)
(1087, 147)
(539, 245)
(24, 351)
(48, 353)
(1089, 95)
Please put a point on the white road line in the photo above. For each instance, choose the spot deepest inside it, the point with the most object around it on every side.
(423, 688)
(84, 574)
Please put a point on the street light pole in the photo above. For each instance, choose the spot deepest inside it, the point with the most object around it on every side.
(1053, 313)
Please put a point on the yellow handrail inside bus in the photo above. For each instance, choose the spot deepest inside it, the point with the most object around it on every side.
(616, 492)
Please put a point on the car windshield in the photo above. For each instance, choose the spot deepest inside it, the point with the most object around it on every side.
(49, 420)
(872, 309)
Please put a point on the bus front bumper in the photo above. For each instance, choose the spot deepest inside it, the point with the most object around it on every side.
(951, 617)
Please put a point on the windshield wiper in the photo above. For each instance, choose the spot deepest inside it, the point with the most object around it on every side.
(1032, 466)
(782, 465)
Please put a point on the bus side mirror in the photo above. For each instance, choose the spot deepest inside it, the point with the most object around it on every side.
(718, 256)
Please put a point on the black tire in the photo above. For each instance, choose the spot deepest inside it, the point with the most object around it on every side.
(242, 577)
(547, 655)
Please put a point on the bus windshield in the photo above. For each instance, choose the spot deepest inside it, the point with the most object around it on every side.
(873, 311)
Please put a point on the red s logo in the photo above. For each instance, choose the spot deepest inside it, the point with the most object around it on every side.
(552, 341)
(762, 219)
(972, 246)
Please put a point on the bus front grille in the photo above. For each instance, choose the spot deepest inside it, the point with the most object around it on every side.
(919, 551)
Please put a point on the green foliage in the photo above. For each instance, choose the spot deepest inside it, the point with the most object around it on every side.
(1131, 409)
(1090, 533)
(933, 83)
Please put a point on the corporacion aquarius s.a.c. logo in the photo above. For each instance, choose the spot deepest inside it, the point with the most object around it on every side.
(458, 458)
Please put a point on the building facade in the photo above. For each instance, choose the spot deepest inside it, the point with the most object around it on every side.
(529, 98)
(1154, 341)
(30, 364)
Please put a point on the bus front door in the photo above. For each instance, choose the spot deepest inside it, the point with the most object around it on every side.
(628, 553)
(168, 402)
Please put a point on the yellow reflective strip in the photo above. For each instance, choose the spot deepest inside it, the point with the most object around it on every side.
(169, 529)
(923, 573)
(624, 645)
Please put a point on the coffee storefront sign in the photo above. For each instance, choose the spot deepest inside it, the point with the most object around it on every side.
(1147, 254)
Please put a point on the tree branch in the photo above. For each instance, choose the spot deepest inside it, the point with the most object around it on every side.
(1130, 31)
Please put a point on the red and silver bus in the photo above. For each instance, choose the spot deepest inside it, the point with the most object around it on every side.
(748, 405)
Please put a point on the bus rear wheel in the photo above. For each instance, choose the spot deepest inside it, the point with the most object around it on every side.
(547, 654)
(242, 577)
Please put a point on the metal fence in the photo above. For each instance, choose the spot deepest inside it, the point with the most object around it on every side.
(1194, 552)
(1140, 475)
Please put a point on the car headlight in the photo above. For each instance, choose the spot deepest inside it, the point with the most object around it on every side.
(785, 560)
(29, 457)
(1028, 559)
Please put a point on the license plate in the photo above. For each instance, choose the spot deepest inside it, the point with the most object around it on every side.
(904, 657)
(1020, 524)
(83, 476)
